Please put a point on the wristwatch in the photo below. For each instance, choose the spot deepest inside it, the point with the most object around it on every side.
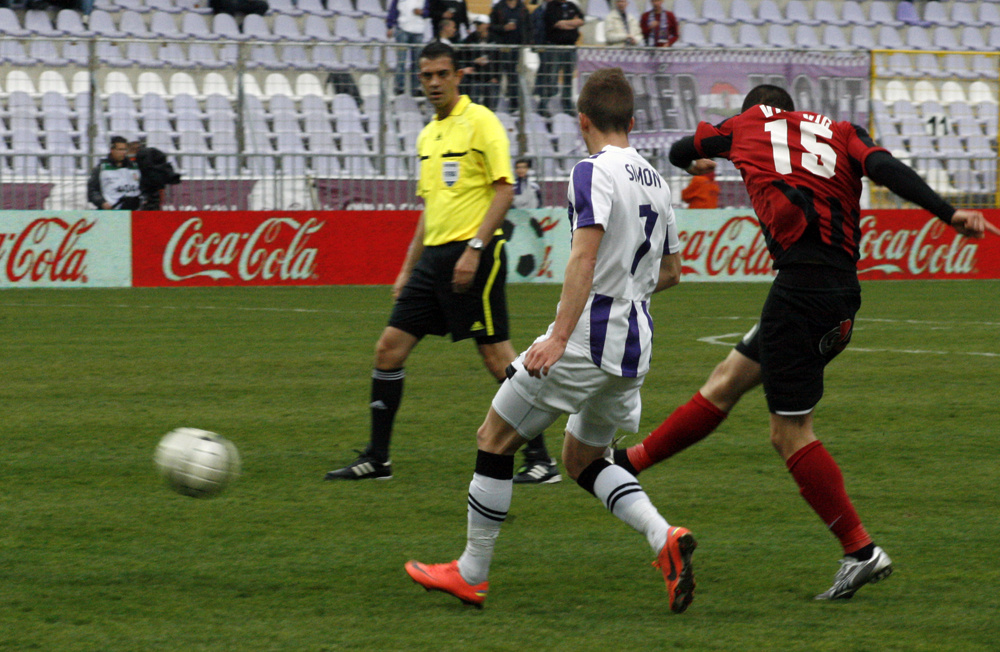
(475, 243)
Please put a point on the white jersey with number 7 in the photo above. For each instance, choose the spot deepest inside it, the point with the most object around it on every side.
(620, 191)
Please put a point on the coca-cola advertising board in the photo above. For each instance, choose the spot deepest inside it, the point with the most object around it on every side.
(910, 244)
(65, 249)
(215, 248)
(727, 245)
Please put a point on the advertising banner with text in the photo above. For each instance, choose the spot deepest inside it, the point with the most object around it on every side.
(269, 248)
(65, 249)
(223, 248)
(727, 245)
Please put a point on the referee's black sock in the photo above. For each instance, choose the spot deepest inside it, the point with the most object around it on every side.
(387, 392)
(535, 450)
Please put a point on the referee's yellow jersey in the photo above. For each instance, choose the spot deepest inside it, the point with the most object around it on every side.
(460, 159)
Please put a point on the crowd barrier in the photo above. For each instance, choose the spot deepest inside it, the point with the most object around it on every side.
(229, 248)
(258, 125)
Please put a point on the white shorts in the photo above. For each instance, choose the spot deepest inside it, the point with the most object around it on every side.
(600, 403)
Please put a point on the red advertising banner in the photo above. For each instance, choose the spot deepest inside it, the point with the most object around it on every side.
(910, 244)
(367, 247)
(215, 248)
(727, 245)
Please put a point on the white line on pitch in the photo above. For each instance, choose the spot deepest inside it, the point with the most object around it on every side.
(125, 306)
(719, 340)
(918, 322)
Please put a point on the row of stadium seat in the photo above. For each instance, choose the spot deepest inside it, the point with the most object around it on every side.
(801, 36)
(948, 176)
(193, 55)
(775, 31)
(826, 12)
(164, 25)
(291, 7)
(927, 91)
(850, 12)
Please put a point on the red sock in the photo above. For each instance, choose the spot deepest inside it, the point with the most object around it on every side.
(822, 485)
(689, 424)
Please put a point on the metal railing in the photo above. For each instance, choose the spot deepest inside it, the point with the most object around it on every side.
(264, 125)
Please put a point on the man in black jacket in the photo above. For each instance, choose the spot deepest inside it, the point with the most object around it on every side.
(456, 10)
(562, 27)
(480, 79)
(156, 173)
(509, 25)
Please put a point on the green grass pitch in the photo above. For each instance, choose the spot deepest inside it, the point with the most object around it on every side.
(97, 554)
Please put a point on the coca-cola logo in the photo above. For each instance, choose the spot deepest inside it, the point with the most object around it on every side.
(275, 249)
(932, 249)
(48, 249)
(736, 248)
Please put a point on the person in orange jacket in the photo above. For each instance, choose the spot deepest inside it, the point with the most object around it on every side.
(702, 192)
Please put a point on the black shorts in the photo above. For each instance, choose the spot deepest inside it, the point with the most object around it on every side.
(427, 305)
(807, 320)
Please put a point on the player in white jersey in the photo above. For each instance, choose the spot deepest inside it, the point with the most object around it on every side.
(592, 360)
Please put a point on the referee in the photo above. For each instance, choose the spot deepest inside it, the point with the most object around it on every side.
(453, 278)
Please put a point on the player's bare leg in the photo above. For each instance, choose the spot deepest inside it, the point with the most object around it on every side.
(538, 467)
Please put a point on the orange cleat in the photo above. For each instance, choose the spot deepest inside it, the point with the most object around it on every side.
(675, 562)
(445, 577)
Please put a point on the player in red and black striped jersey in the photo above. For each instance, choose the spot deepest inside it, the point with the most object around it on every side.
(803, 172)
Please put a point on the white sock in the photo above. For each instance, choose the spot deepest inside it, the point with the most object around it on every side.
(622, 494)
(489, 501)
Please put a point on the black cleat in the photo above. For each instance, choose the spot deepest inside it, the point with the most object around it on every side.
(365, 467)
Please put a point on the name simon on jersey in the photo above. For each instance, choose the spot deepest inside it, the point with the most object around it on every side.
(643, 176)
(770, 111)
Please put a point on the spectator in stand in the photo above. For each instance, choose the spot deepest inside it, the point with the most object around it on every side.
(562, 27)
(537, 20)
(83, 6)
(480, 78)
(447, 31)
(510, 25)
(527, 192)
(537, 24)
(621, 27)
(702, 192)
(114, 182)
(659, 26)
(456, 10)
(405, 23)
(155, 173)
(239, 6)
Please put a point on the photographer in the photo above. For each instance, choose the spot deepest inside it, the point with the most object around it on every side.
(155, 173)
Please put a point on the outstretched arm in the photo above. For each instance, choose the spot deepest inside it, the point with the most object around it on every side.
(684, 155)
(886, 170)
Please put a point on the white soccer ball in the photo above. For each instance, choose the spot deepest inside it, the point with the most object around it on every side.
(197, 463)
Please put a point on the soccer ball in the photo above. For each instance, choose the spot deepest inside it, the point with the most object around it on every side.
(197, 463)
